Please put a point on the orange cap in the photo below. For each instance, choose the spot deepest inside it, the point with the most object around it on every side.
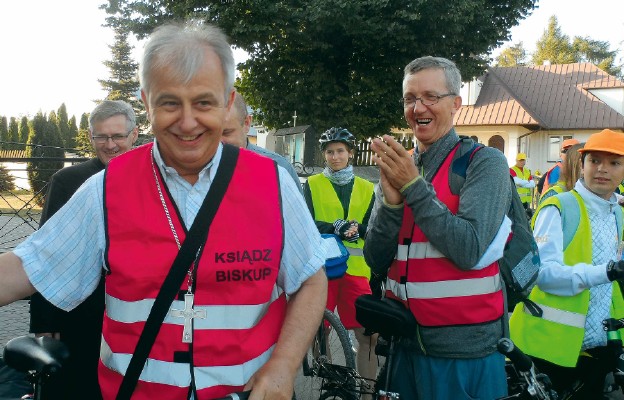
(569, 143)
(606, 140)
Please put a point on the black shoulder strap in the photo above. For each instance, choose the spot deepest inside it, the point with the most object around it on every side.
(186, 255)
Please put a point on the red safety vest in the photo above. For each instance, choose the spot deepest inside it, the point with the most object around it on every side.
(235, 282)
(436, 291)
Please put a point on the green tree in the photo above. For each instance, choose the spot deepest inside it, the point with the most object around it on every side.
(13, 136)
(513, 56)
(44, 140)
(7, 181)
(62, 122)
(83, 144)
(556, 47)
(123, 83)
(4, 132)
(596, 52)
(337, 63)
(73, 132)
(553, 46)
(23, 132)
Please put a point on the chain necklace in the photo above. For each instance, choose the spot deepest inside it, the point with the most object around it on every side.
(188, 313)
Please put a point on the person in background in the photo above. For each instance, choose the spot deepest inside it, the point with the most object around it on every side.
(112, 131)
(237, 124)
(341, 203)
(579, 235)
(570, 173)
(523, 179)
(236, 322)
(430, 242)
(551, 176)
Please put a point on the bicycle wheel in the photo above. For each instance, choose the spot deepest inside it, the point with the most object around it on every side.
(329, 365)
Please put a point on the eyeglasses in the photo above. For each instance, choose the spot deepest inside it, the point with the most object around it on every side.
(118, 138)
(426, 100)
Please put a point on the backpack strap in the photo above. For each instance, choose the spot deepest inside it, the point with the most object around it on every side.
(571, 218)
(466, 149)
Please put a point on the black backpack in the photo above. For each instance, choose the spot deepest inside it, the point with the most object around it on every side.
(520, 263)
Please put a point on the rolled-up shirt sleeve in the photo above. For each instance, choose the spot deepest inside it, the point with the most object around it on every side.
(304, 253)
(64, 258)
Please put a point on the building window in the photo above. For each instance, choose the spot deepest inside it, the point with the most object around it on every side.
(554, 147)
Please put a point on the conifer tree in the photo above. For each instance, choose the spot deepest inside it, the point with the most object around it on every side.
(23, 133)
(4, 132)
(62, 123)
(7, 181)
(83, 142)
(123, 83)
(553, 46)
(13, 136)
(44, 140)
(73, 133)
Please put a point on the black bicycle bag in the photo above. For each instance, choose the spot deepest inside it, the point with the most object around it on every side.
(385, 316)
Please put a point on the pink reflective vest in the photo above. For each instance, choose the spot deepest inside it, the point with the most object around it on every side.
(436, 291)
(235, 284)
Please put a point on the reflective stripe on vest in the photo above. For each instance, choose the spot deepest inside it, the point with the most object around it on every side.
(563, 317)
(417, 251)
(558, 335)
(355, 251)
(328, 208)
(178, 374)
(524, 193)
(226, 276)
(444, 289)
(218, 316)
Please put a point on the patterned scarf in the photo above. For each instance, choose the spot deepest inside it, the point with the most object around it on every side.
(341, 177)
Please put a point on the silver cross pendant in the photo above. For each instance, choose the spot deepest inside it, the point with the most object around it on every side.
(188, 314)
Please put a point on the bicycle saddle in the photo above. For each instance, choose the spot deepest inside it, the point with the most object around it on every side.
(43, 355)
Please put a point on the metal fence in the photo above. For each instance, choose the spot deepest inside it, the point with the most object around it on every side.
(19, 211)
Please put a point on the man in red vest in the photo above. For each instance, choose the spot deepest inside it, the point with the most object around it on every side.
(430, 241)
(253, 296)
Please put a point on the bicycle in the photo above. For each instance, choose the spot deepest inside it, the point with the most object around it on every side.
(393, 321)
(523, 380)
(42, 358)
(329, 363)
(331, 380)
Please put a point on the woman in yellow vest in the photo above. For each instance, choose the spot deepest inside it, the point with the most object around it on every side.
(570, 173)
(579, 235)
(341, 203)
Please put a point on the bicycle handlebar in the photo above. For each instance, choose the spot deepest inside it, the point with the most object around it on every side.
(507, 348)
(538, 386)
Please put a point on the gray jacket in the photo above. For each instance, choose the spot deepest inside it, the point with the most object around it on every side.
(484, 201)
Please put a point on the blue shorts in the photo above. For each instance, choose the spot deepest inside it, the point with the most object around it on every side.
(415, 376)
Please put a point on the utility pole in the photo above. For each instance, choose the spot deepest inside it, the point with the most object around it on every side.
(295, 119)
